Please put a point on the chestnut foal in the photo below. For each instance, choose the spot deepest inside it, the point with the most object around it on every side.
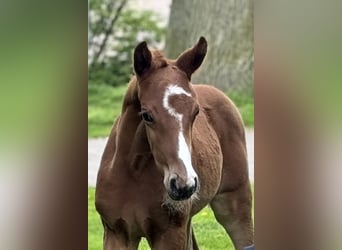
(175, 148)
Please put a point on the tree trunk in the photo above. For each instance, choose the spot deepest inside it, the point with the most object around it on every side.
(228, 27)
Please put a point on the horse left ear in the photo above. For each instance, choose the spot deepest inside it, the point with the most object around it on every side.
(191, 59)
(142, 58)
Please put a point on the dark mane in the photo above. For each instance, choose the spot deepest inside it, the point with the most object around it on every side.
(131, 96)
(158, 59)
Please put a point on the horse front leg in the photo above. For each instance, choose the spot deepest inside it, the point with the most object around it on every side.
(193, 245)
(175, 238)
(113, 241)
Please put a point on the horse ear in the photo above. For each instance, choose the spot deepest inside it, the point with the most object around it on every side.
(142, 58)
(191, 59)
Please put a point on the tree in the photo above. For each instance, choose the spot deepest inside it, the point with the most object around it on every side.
(228, 27)
(105, 13)
(115, 30)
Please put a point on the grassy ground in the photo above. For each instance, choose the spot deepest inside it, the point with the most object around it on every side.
(104, 105)
(245, 103)
(209, 234)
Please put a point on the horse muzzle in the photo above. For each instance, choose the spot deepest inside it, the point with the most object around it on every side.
(178, 191)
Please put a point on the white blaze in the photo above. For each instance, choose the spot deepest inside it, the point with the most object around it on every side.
(183, 148)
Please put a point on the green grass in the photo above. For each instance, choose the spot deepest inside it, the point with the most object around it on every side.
(245, 104)
(209, 234)
(104, 105)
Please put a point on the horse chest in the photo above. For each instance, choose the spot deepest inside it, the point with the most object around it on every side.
(138, 217)
(130, 202)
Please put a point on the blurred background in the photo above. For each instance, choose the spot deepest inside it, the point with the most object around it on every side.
(117, 26)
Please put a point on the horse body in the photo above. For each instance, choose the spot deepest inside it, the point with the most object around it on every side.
(137, 195)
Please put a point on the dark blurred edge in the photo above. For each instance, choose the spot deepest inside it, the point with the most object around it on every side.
(54, 35)
(297, 72)
(74, 212)
(72, 225)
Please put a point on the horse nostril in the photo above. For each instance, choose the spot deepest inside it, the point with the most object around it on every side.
(195, 186)
(173, 184)
(182, 192)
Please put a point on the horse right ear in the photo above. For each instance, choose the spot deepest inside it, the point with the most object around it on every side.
(191, 59)
(142, 59)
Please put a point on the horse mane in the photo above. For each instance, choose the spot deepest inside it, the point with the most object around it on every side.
(131, 96)
(158, 59)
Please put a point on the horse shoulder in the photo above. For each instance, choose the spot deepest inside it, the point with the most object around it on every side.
(221, 112)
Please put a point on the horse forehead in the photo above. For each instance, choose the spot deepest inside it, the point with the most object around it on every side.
(175, 89)
(168, 96)
(176, 99)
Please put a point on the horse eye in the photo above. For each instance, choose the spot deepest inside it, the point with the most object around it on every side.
(147, 117)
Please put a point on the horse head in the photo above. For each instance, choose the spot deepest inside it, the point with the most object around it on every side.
(169, 108)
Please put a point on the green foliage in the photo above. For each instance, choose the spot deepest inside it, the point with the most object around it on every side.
(100, 12)
(245, 103)
(113, 73)
(131, 28)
